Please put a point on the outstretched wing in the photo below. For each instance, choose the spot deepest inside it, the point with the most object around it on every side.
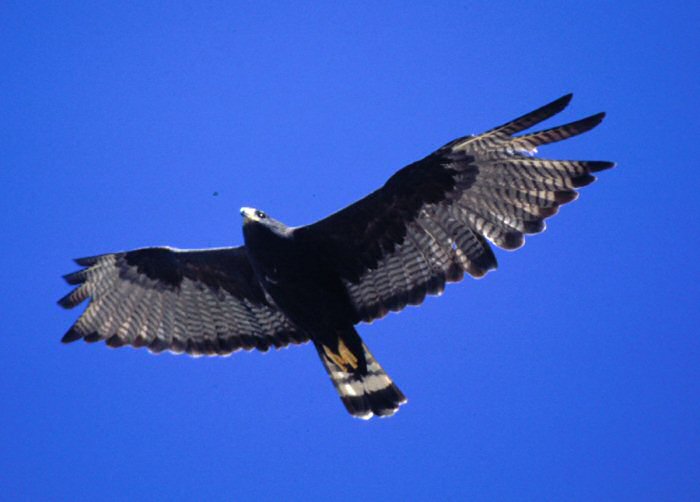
(431, 221)
(204, 302)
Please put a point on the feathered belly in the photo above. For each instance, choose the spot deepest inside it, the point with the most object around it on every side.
(313, 300)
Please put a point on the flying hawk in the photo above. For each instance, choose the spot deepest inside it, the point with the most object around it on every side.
(428, 225)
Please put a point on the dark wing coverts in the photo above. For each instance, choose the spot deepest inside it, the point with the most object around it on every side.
(201, 302)
(431, 221)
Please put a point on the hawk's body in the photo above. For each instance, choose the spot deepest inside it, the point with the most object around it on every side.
(310, 292)
(428, 225)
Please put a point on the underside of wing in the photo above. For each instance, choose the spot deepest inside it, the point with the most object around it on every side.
(430, 223)
(204, 302)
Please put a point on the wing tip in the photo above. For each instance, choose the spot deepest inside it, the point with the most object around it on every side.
(68, 301)
(562, 102)
(555, 107)
(582, 180)
(596, 118)
(562, 197)
(74, 278)
(87, 261)
(586, 124)
(72, 335)
(595, 166)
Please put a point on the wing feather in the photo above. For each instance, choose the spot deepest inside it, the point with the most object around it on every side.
(204, 302)
(430, 223)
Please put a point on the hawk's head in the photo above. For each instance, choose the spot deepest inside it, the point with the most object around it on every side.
(252, 216)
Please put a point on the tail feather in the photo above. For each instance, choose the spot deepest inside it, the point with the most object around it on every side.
(364, 392)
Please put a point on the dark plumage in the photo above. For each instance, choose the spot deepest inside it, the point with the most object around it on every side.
(428, 225)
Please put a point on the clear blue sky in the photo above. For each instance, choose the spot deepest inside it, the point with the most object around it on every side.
(572, 373)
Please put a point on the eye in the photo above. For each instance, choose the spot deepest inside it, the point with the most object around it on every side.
(260, 215)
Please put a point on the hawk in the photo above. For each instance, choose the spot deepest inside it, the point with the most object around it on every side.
(429, 224)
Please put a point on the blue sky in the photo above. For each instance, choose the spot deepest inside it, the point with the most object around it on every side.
(572, 373)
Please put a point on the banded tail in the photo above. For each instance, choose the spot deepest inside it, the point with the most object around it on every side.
(364, 387)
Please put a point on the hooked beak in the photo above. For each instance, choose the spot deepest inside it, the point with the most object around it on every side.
(248, 214)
